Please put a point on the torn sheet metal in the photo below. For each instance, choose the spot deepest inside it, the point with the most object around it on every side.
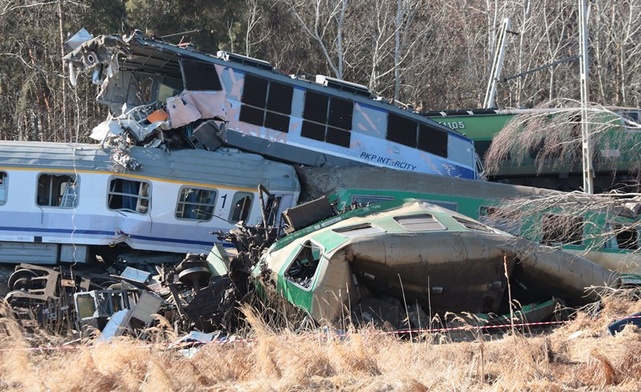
(77, 39)
(96, 56)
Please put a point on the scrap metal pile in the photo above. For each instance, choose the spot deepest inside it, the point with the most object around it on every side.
(62, 300)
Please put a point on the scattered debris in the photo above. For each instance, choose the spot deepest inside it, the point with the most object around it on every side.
(394, 267)
(617, 326)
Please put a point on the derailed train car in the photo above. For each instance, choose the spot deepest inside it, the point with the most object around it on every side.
(247, 103)
(68, 202)
(417, 254)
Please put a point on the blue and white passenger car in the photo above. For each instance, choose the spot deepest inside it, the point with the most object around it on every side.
(67, 202)
(257, 108)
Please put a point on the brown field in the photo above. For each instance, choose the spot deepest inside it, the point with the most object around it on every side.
(578, 355)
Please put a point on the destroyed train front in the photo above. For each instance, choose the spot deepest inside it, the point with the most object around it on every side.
(419, 254)
(246, 103)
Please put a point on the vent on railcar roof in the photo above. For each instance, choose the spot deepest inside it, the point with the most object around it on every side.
(342, 85)
(238, 58)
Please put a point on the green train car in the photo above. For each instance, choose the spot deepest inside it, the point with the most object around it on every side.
(542, 147)
(603, 229)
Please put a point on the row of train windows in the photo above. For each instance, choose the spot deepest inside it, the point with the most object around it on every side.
(328, 119)
(62, 190)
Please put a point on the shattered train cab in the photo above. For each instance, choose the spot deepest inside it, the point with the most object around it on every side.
(421, 254)
(159, 93)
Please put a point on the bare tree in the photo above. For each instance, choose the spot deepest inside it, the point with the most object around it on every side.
(324, 21)
(435, 53)
(254, 16)
(616, 46)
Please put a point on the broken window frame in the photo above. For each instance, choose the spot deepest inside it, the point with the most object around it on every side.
(272, 209)
(625, 237)
(57, 190)
(493, 216)
(131, 195)
(365, 200)
(146, 89)
(562, 229)
(199, 75)
(165, 91)
(125, 88)
(305, 265)
(241, 207)
(3, 187)
(196, 203)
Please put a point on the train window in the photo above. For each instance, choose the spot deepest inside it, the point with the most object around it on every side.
(196, 204)
(199, 76)
(327, 119)
(627, 237)
(280, 98)
(337, 136)
(401, 130)
(500, 219)
(3, 188)
(266, 103)
(365, 200)
(255, 91)
(57, 190)
(304, 265)
(432, 140)
(312, 130)
(241, 203)
(129, 195)
(562, 229)
(251, 115)
(277, 121)
(340, 113)
(445, 204)
(315, 107)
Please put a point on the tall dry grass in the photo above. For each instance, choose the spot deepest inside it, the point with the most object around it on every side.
(575, 356)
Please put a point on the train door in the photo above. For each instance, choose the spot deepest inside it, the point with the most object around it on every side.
(131, 200)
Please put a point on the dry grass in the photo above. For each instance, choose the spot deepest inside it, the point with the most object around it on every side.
(576, 356)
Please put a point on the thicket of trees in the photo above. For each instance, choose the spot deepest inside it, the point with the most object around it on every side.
(432, 54)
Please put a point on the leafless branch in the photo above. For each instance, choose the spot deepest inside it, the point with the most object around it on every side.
(10, 7)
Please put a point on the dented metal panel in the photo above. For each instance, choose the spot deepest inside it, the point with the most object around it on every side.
(261, 110)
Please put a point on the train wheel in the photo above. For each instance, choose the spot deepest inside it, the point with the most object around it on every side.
(21, 280)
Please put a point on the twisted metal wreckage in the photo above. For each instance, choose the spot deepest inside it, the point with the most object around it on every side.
(362, 265)
(394, 266)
